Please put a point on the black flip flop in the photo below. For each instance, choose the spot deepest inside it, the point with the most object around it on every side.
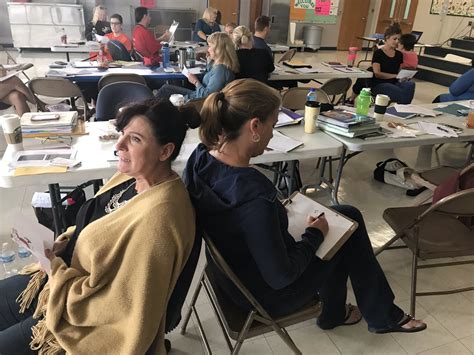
(399, 327)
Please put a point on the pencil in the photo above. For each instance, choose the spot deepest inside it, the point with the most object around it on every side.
(320, 215)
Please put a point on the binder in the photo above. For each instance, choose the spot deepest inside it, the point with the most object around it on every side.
(299, 206)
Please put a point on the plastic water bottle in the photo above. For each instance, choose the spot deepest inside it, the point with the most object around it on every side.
(311, 111)
(363, 102)
(165, 52)
(24, 256)
(7, 258)
(94, 32)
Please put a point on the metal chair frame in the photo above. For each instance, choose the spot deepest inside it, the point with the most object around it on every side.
(337, 86)
(256, 315)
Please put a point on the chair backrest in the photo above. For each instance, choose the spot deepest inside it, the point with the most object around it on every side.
(117, 77)
(295, 98)
(287, 56)
(118, 51)
(335, 87)
(458, 204)
(58, 88)
(116, 95)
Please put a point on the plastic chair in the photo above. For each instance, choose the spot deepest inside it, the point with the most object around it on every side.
(118, 51)
(116, 77)
(435, 231)
(58, 88)
(236, 323)
(295, 98)
(113, 96)
(337, 86)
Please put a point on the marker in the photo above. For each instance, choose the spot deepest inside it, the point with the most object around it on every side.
(442, 129)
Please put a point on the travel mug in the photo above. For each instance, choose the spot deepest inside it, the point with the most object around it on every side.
(177, 99)
(311, 113)
(381, 103)
(12, 130)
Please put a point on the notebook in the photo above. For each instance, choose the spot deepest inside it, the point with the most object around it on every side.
(299, 207)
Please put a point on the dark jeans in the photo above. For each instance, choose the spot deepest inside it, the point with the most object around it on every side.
(355, 260)
(400, 92)
(15, 327)
(167, 90)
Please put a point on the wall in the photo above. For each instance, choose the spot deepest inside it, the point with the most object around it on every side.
(442, 29)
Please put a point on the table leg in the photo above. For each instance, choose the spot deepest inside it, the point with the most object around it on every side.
(337, 181)
(57, 208)
(67, 57)
(291, 173)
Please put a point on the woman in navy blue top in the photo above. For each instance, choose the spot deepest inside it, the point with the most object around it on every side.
(206, 25)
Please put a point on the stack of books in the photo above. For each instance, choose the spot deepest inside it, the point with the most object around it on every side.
(347, 123)
(45, 123)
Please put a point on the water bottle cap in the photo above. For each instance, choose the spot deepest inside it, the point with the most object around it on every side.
(312, 89)
(366, 92)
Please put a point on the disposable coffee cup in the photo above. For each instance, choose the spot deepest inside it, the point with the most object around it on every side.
(381, 103)
(177, 99)
(12, 130)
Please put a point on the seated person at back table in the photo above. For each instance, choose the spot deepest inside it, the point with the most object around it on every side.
(220, 70)
(262, 30)
(14, 92)
(406, 46)
(117, 34)
(206, 25)
(144, 41)
(114, 271)
(237, 206)
(229, 28)
(254, 63)
(461, 89)
(99, 23)
(386, 63)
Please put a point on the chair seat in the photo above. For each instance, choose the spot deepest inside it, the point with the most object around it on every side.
(399, 218)
(234, 317)
(438, 175)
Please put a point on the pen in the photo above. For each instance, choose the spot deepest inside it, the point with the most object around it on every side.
(442, 129)
(320, 215)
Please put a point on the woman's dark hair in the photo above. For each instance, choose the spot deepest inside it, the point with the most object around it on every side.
(224, 113)
(118, 17)
(169, 123)
(393, 29)
(140, 11)
(408, 41)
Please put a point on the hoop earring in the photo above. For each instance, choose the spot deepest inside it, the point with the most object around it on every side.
(256, 138)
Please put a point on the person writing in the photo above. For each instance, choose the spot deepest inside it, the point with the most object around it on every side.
(253, 62)
(237, 206)
(220, 70)
(114, 271)
(206, 25)
(143, 40)
(117, 34)
(14, 92)
(98, 24)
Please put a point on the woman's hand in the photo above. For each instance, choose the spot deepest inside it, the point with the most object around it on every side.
(165, 37)
(320, 223)
(60, 245)
(193, 79)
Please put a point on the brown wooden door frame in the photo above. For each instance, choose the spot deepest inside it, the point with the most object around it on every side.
(384, 20)
(353, 24)
(225, 18)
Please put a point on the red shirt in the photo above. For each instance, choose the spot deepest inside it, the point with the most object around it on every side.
(410, 60)
(145, 44)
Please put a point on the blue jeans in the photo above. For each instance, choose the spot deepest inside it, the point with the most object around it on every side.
(167, 90)
(355, 260)
(15, 327)
(400, 92)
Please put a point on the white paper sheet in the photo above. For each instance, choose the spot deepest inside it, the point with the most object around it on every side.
(314, 69)
(283, 143)
(422, 111)
(406, 74)
(436, 129)
(8, 76)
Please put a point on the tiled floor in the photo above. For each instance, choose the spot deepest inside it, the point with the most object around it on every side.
(450, 318)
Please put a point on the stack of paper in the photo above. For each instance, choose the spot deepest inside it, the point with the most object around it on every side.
(283, 143)
(287, 117)
(32, 123)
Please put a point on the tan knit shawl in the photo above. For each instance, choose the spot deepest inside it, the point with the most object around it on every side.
(113, 298)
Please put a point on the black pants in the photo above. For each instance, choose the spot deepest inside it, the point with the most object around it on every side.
(355, 260)
(15, 327)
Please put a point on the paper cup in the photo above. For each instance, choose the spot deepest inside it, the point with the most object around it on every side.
(177, 99)
(12, 131)
(381, 103)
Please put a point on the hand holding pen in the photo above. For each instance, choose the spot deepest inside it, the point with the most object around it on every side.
(319, 222)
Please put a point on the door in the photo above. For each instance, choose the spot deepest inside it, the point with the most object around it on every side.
(353, 22)
(228, 8)
(255, 11)
(401, 11)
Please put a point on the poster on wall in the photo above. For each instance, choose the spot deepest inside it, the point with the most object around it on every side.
(305, 4)
(150, 4)
(323, 7)
(463, 8)
(315, 11)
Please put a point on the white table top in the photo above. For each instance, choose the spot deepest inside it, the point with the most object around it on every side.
(95, 155)
(286, 73)
(62, 48)
(358, 145)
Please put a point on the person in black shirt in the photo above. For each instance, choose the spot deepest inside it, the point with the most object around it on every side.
(254, 63)
(262, 30)
(386, 63)
(99, 23)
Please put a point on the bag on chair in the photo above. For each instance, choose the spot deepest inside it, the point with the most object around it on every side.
(395, 172)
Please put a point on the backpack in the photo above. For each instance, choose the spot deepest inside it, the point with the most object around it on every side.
(395, 172)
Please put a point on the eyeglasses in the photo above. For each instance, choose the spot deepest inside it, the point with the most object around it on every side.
(115, 23)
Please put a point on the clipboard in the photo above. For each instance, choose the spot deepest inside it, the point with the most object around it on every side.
(299, 206)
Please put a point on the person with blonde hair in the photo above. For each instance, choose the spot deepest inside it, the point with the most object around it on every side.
(206, 25)
(254, 63)
(99, 23)
(237, 206)
(219, 72)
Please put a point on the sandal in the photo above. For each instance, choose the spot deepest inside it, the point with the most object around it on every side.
(350, 309)
(400, 329)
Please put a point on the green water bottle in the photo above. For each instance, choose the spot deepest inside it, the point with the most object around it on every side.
(363, 102)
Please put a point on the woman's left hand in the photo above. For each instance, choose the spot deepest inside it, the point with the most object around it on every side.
(193, 79)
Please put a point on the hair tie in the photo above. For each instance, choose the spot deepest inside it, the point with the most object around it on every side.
(220, 96)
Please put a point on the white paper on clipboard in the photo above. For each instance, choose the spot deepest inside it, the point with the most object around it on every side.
(340, 227)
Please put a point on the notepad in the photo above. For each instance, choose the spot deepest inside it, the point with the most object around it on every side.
(340, 226)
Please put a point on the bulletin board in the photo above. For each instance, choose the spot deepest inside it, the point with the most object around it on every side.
(315, 11)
